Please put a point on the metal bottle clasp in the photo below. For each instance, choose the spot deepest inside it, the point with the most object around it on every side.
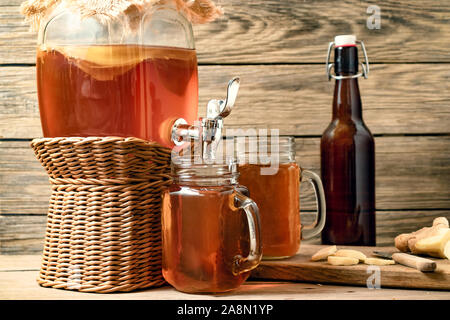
(364, 66)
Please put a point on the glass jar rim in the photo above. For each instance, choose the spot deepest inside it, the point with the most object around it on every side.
(265, 149)
(220, 173)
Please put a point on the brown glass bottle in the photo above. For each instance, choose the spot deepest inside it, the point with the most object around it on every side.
(348, 161)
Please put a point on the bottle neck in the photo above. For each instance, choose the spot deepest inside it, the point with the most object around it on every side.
(347, 99)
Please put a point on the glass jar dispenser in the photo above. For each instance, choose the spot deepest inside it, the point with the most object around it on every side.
(130, 75)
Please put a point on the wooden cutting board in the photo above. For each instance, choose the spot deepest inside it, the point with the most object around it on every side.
(300, 268)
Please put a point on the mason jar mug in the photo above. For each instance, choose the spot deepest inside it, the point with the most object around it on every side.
(268, 168)
(210, 229)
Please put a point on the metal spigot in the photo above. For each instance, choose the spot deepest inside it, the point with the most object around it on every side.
(209, 129)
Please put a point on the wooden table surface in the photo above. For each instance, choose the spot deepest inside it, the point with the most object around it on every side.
(18, 275)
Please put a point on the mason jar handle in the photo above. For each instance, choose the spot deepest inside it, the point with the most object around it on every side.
(244, 264)
(311, 231)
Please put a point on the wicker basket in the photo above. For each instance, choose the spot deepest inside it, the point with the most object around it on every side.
(103, 227)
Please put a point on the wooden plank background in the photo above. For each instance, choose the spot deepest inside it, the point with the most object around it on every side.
(278, 47)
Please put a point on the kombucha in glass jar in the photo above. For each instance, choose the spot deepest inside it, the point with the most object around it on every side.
(101, 79)
(210, 230)
(269, 170)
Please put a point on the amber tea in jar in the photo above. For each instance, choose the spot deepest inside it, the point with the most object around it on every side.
(210, 230)
(268, 169)
(112, 78)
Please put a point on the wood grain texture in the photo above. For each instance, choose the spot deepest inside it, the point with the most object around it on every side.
(389, 224)
(411, 173)
(24, 234)
(10, 263)
(25, 185)
(415, 176)
(22, 285)
(300, 268)
(273, 31)
(397, 99)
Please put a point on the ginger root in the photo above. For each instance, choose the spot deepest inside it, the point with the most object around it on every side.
(435, 246)
(433, 241)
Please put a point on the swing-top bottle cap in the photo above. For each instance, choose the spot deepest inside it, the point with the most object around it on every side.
(346, 61)
(347, 40)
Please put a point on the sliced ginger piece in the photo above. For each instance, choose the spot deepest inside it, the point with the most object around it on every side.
(435, 246)
(323, 253)
(378, 261)
(351, 254)
(447, 250)
(342, 261)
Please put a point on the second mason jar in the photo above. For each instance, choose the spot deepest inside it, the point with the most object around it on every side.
(210, 229)
(269, 170)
